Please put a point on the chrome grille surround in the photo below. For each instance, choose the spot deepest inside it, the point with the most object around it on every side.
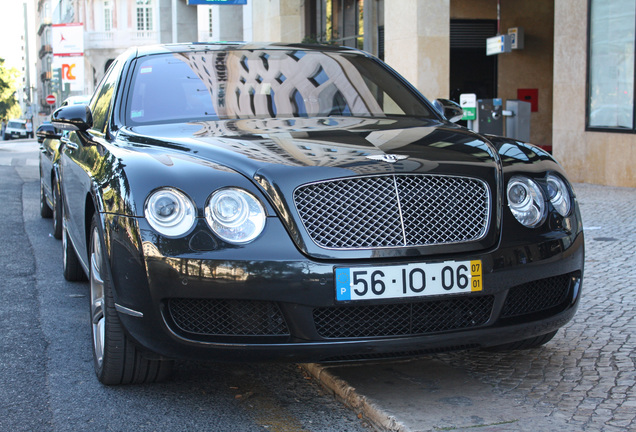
(396, 210)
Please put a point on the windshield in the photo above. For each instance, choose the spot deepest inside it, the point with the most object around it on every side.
(211, 85)
(16, 125)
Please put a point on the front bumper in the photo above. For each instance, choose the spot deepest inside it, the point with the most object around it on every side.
(232, 304)
(16, 135)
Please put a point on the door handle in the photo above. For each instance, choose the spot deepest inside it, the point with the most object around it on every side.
(71, 145)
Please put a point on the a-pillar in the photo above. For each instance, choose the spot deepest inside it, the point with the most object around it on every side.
(417, 43)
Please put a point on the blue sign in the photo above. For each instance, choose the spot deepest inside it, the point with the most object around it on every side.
(343, 284)
(217, 2)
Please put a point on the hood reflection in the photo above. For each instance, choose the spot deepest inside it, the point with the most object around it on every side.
(308, 142)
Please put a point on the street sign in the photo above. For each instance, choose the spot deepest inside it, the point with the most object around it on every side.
(498, 44)
(50, 99)
(468, 102)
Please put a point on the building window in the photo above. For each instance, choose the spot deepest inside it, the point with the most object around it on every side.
(144, 15)
(612, 36)
(354, 23)
(340, 22)
(108, 16)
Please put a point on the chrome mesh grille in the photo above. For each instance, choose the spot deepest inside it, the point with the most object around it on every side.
(394, 211)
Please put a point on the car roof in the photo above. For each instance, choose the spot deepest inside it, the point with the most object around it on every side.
(74, 100)
(228, 46)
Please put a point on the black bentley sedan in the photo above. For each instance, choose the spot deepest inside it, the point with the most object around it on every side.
(50, 204)
(50, 139)
(252, 202)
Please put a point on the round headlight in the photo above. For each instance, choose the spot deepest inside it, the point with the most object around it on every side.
(559, 195)
(526, 201)
(235, 215)
(170, 212)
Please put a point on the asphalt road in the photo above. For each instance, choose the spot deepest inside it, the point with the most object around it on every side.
(47, 381)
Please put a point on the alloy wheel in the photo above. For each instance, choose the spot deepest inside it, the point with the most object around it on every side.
(98, 318)
(64, 244)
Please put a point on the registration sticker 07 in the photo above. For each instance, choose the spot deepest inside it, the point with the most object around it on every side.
(407, 280)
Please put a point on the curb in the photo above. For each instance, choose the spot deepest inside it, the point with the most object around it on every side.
(347, 394)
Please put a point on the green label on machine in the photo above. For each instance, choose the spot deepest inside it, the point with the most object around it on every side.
(470, 113)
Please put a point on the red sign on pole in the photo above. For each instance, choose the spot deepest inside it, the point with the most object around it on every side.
(50, 99)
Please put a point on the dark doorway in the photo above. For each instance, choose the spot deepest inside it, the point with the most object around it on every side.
(471, 70)
(108, 63)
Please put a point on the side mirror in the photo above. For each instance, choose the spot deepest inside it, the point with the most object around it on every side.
(451, 110)
(73, 118)
(47, 131)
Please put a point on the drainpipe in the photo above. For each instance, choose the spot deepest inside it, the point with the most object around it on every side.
(174, 21)
(28, 62)
(498, 17)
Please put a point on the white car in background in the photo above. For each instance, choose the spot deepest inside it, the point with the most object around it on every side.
(15, 129)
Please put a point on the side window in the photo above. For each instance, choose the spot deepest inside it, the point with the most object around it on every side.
(101, 102)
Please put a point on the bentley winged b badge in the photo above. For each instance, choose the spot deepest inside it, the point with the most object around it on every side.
(390, 158)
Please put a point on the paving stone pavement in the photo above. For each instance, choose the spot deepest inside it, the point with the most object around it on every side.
(586, 375)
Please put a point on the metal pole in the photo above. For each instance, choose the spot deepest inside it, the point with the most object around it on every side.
(28, 63)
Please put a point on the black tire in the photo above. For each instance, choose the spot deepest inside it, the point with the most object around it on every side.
(116, 358)
(45, 210)
(57, 210)
(529, 343)
(72, 268)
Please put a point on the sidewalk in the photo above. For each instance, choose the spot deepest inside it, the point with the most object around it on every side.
(427, 394)
(584, 379)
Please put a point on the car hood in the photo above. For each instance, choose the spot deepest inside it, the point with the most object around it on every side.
(279, 155)
(320, 148)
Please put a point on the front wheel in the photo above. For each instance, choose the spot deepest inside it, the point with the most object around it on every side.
(116, 358)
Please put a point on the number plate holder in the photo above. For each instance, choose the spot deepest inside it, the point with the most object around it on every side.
(407, 280)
